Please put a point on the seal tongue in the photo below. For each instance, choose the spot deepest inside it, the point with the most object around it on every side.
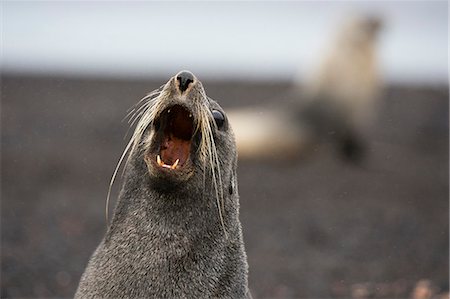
(173, 149)
(176, 143)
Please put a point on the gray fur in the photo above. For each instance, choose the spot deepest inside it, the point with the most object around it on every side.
(166, 239)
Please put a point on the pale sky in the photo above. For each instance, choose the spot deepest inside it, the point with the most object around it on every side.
(249, 40)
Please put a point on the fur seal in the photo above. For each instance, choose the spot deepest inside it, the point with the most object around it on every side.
(175, 232)
(335, 105)
(348, 74)
(341, 95)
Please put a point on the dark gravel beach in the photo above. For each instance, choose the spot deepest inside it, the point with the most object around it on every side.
(319, 227)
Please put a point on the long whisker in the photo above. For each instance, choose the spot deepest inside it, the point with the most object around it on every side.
(149, 96)
(150, 99)
(114, 177)
(208, 149)
(136, 111)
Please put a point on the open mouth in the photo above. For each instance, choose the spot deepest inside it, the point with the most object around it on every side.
(177, 131)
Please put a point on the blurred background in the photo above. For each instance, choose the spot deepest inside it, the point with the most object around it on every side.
(317, 226)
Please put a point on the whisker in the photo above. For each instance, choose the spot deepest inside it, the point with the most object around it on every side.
(134, 109)
(114, 177)
(139, 130)
(208, 149)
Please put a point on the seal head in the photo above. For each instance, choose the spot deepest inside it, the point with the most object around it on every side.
(184, 133)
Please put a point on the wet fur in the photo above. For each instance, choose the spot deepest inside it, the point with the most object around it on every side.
(172, 239)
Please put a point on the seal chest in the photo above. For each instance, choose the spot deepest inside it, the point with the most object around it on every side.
(175, 232)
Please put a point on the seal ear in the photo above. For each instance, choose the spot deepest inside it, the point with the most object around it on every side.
(231, 187)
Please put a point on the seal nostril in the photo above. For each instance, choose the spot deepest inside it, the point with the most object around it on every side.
(184, 79)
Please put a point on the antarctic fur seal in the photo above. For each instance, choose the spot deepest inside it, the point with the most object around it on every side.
(340, 99)
(335, 106)
(175, 232)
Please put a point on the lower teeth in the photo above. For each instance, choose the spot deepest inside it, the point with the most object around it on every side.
(162, 164)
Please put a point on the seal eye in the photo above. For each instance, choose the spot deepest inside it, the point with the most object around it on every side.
(218, 118)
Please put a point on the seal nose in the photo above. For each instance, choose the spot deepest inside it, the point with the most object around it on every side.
(184, 78)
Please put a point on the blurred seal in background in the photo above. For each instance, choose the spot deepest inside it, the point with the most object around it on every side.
(336, 103)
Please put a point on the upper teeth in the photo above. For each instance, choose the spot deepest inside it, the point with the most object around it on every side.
(162, 164)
